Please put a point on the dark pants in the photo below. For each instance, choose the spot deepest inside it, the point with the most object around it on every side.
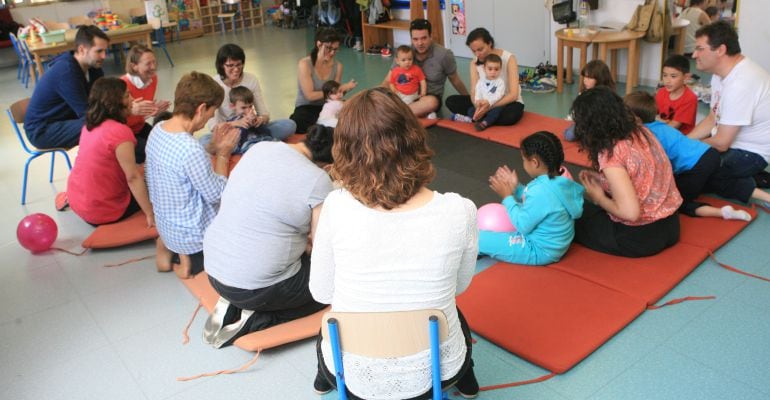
(691, 183)
(735, 177)
(304, 116)
(64, 134)
(597, 231)
(141, 143)
(491, 117)
(510, 113)
(464, 378)
(196, 262)
(284, 301)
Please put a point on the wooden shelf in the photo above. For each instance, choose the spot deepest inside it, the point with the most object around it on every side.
(381, 34)
(252, 16)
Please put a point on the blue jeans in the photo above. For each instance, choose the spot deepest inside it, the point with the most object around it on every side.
(279, 130)
(490, 117)
(65, 134)
(735, 177)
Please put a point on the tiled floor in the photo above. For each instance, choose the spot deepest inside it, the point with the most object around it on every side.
(73, 329)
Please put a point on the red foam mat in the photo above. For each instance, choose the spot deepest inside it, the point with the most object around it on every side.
(513, 135)
(711, 233)
(646, 278)
(546, 316)
(288, 332)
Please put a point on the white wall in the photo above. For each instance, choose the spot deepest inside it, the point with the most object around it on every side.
(619, 12)
(754, 30)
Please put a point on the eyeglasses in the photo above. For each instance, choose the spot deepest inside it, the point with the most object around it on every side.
(331, 49)
(234, 65)
(419, 24)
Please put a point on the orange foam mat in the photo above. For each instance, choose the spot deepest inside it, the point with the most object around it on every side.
(711, 233)
(128, 231)
(288, 332)
(573, 155)
(427, 123)
(546, 316)
(646, 278)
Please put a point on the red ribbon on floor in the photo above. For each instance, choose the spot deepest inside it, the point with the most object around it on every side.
(733, 269)
(680, 300)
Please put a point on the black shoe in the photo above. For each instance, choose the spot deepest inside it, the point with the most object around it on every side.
(321, 386)
(468, 386)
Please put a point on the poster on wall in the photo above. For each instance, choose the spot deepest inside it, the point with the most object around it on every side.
(457, 9)
(156, 13)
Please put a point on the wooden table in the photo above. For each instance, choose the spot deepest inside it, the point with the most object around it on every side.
(603, 42)
(140, 33)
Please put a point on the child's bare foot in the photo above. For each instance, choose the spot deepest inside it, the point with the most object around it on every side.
(162, 256)
(183, 269)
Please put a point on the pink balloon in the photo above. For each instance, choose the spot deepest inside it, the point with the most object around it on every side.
(494, 217)
(37, 232)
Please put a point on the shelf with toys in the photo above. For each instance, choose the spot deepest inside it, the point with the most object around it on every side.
(209, 9)
(187, 15)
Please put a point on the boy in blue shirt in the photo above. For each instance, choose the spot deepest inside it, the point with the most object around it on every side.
(693, 162)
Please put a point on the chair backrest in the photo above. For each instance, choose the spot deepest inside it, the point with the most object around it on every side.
(16, 112)
(15, 43)
(385, 334)
(80, 20)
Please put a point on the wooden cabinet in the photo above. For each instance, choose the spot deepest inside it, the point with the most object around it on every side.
(252, 15)
(380, 34)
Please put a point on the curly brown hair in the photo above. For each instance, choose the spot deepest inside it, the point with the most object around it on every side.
(105, 101)
(380, 151)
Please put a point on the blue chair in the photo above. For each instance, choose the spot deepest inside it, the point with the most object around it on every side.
(16, 114)
(20, 67)
(386, 335)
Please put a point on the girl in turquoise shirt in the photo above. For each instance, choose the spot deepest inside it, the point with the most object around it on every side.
(543, 212)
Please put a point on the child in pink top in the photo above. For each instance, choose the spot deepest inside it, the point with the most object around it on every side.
(105, 184)
(407, 79)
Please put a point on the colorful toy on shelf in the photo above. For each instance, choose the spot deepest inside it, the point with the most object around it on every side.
(106, 20)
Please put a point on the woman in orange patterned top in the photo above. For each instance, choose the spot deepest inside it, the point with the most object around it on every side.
(632, 193)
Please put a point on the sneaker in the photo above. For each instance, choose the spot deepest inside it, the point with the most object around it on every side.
(61, 202)
(432, 116)
(460, 118)
(321, 386)
(358, 47)
(538, 87)
(480, 126)
(468, 386)
(374, 50)
(386, 52)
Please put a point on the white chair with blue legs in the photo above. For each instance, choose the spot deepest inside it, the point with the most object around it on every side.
(16, 114)
(386, 335)
(230, 9)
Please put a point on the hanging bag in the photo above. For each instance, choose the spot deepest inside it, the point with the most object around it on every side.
(642, 17)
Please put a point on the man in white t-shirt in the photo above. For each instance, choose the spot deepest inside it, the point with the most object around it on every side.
(738, 125)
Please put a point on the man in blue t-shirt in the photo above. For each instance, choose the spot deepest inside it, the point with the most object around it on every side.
(57, 109)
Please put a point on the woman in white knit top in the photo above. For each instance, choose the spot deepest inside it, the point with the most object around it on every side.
(385, 242)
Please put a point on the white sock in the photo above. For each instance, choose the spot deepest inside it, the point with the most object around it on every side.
(728, 212)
